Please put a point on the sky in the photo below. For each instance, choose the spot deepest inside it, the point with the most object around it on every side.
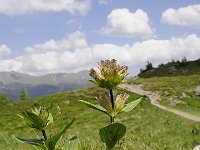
(53, 36)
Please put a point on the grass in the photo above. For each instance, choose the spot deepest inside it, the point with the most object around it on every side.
(173, 68)
(147, 126)
(174, 87)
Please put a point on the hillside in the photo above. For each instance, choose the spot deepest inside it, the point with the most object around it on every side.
(148, 127)
(176, 91)
(174, 68)
(11, 83)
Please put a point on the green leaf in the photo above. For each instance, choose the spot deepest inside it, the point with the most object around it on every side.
(50, 119)
(114, 79)
(96, 107)
(111, 134)
(51, 142)
(94, 82)
(35, 142)
(74, 144)
(128, 107)
(34, 121)
(111, 82)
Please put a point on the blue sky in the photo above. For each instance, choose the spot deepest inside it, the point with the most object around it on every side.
(47, 36)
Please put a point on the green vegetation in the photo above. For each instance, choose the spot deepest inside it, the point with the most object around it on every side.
(109, 77)
(180, 88)
(148, 67)
(173, 68)
(39, 119)
(4, 99)
(23, 96)
(149, 127)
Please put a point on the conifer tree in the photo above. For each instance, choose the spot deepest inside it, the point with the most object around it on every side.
(23, 95)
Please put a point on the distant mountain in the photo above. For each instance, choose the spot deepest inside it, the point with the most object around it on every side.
(11, 83)
(174, 68)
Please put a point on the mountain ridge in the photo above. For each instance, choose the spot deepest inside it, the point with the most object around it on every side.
(12, 82)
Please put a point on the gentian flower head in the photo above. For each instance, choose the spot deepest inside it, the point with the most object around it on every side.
(109, 74)
(119, 103)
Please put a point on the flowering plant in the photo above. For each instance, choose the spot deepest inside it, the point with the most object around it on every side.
(39, 119)
(109, 75)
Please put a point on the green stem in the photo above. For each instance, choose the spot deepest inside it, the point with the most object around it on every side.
(113, 104)
(111, 119)
(112, 99)
(44, 134)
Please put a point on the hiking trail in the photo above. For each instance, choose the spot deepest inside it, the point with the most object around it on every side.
(154, 97)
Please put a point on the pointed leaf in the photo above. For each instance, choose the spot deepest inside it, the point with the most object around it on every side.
(51, 142)
(111, 82)
(74, 144)
(128, 107)
(97, 107)
(49, 119)
(94, 82)
(35, 142)
(114, 79)
(111, 134)
(34, 121)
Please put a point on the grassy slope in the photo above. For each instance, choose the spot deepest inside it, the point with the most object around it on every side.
(173, 69)
(147, 126)
(174, 87)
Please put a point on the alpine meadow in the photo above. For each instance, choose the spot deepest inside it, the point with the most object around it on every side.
(99, 75)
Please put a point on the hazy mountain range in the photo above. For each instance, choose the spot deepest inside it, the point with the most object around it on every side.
(11, 83)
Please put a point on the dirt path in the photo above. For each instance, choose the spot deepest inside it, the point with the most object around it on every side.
(154, 97)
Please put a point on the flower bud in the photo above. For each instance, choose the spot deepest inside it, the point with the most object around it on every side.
(120, 101)
(104, 101)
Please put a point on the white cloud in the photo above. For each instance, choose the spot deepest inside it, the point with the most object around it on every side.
(75, 40)
(10, 65)
(20, 7)
(57, 56)
(184, 16)
(4, 50)
(65, 56)
(122, 22)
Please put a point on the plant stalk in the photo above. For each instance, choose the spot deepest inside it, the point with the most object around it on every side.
(113, 104)
(44, 134)
(111, 119)
(112, 99)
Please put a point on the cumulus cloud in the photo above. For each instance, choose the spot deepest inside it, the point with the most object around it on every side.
(57, 55)
(122, 22)
(20, 7)
(69, 55)
(184, 16)
(75, 40)
(10, 65)
(4, 50)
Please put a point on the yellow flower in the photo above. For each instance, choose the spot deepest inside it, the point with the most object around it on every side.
(119, 101)
(109, 74)
(104, 101)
